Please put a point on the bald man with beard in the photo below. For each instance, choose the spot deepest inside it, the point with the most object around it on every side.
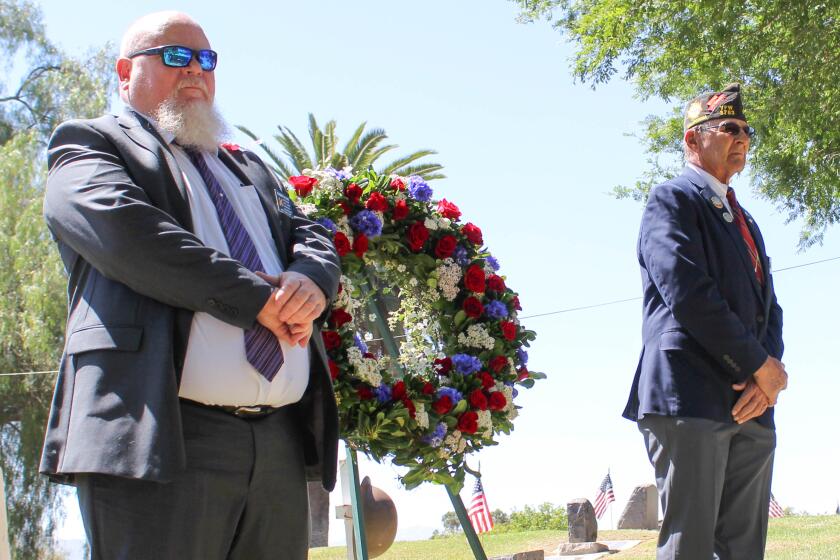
(193, 399)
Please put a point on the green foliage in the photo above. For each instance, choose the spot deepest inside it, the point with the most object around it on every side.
(544, 516)
(50, 87)
(784, 53)
(361, 152)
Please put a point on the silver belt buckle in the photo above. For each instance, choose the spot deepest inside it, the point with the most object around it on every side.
(247, 410)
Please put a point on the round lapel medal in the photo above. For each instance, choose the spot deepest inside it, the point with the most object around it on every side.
(727, 216)
(717, 202)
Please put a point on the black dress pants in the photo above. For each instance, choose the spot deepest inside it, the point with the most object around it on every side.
(242, 496)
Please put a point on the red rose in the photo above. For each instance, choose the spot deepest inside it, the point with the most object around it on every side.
(303, 185)
(445, 246)
(508, 330)
(397, 184)
(468, 422)
(474, 279)
(231, 146)
(497, 400)
(339, 318)
(417, 236)
(345, 208)
(472, 233)
(400, 210)
(377, 202)
(360, 245)
(369, 356)
(364, 393)
(353, 192)
(332, 339)
(398, 390)
(428, 388)
(342, 244)
(409, 404)
(478, 400)
(498, 363)
(333, 369)
(473, 307)
(448, 210)
(522, 373)
(442, 405)
(496, 283)
(516, 304)
(487, 381)
(443, 365)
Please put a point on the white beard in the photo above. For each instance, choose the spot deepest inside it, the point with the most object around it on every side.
(196, 124)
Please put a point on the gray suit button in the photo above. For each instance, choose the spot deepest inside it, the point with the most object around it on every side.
(760, 319)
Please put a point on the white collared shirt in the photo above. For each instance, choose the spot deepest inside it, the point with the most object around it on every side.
(719, 188)
(216, 370)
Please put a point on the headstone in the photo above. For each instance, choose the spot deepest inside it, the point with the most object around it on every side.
(582, 524)
(530, 555)
(642, 511)
(575, 549)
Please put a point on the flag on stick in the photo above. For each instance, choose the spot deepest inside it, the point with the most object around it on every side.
(605, 496)
(479, 513)
(775, 509)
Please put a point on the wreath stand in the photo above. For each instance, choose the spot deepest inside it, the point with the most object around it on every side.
(353, 515)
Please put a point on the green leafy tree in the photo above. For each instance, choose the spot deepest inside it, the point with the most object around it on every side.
(41, 86)
(784, 53)
(451, 523)
(362, 150)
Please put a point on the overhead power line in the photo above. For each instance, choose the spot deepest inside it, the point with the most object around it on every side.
(558, 312)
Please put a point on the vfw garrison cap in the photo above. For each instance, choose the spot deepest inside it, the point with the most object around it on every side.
(715, 105)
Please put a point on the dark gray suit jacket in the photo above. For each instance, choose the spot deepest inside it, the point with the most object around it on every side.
(117, 207)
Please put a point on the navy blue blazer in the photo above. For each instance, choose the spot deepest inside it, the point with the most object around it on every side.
(707, 321)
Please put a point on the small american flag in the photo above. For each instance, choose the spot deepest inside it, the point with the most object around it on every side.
(605, 496)
(775, 509)
(479, 513)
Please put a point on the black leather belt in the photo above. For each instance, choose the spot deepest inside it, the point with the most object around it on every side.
(255, 411)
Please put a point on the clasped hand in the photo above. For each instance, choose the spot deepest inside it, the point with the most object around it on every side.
(293, 305)
(760, 391)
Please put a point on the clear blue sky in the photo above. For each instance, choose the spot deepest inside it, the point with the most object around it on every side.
(530, 157)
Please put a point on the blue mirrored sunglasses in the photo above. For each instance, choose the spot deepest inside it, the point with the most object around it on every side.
(177, 56)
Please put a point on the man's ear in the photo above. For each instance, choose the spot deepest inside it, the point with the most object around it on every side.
(691, 140)
(123, 68)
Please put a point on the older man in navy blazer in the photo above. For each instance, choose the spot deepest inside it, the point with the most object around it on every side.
(710, 369)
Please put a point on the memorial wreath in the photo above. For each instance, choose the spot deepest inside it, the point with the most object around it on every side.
(425, 348)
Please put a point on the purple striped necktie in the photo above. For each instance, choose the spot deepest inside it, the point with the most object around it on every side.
(261, 346)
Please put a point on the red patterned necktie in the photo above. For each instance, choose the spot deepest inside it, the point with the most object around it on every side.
(261, 346)
(745, 233)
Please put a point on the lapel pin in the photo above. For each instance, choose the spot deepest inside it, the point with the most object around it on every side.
(717, 202)
(727, 216)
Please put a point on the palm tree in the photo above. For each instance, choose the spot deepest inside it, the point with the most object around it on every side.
(361, 152)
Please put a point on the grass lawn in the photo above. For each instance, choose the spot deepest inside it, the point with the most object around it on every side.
(789, 538)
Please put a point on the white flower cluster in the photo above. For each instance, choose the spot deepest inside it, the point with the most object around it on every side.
(476, 337)
(307, 208)
(365, 369)
(421, 415)
(510, 409)
(432, 223)
(455, 443)
(485, 423)
(449, 274)
(343, 225)
(326, 181)
(345, 299)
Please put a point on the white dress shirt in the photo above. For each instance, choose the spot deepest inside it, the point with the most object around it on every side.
(719, 188)
(216, 370)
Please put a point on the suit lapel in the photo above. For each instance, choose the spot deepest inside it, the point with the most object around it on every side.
(265, 188)
(142, 133)
(728, 221)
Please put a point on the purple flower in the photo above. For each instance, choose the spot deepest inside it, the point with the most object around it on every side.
(496, 310)
(327, 223)
(339, 174)
(460, 255)
(466, 364)
(367, 223)
(435, 439)
(383, 393)
(360, 344)
(494, 264)
(522, 356)
(453, 394)
(419, 189)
